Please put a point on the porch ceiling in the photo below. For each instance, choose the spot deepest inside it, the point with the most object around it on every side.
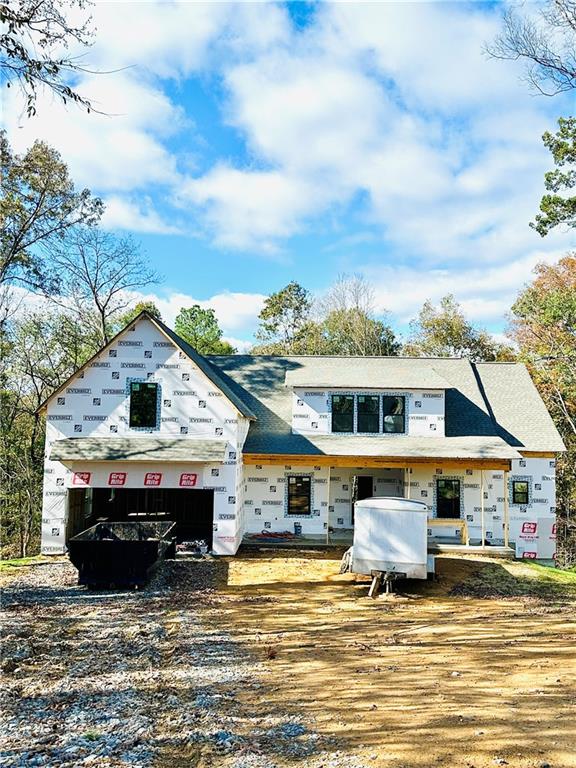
(152, 449)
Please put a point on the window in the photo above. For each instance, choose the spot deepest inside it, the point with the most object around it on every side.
(143, 405)
(448, 499)
(342, 413)
(394, 410)
(368, 413)
(519, 492)
(299, 495)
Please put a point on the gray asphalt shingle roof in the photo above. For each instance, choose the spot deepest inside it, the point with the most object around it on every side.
(394, 372)
(520, 416)
(496, 406)
(137, 449)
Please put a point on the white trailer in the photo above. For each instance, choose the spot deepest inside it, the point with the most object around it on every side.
(390, 539)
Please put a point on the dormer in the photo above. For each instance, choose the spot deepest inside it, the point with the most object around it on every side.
(387, 397)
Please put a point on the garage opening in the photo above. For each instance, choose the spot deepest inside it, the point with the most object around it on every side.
(191, 509)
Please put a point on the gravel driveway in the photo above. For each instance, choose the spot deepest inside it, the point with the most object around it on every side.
(135, 678)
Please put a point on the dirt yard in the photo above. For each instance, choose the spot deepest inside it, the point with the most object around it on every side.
(422, 679)
(273, 659)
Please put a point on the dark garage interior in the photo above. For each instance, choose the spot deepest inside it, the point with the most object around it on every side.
(191, 509)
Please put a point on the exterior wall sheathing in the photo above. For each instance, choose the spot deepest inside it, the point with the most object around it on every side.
(190, 406)
(531, 527)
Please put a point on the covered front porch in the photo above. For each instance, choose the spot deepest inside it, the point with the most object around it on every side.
(467, 499)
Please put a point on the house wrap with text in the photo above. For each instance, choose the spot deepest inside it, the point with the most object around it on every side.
(149, 429)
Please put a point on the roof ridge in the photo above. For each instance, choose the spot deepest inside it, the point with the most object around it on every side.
(205, 366)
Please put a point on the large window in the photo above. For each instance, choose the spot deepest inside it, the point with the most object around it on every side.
(361, 414)
(448, 499)
(143, 405)
(394, 413)
(299, 495)
(342, 413)
(368, 413)
(519, 492)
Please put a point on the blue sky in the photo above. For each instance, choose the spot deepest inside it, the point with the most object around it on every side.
(250, 144)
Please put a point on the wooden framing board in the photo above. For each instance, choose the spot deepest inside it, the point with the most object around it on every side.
(538, 454)
(367, 462)
(449, 522)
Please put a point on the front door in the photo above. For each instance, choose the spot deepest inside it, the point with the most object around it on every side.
(363, 489)
(448, 499)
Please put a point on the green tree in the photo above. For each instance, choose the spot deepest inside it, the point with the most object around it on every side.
(353, 332)
(445, 332)
(38, 207)
(558, 207)
(283, 321)
(140, 306)
(543, 326)
(33, 43)
(199, 327)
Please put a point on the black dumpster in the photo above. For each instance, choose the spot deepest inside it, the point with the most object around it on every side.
(121, 554)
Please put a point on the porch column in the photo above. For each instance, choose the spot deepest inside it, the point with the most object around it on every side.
(407, 482)
(483, 525)
(506, 511)
(328, 510)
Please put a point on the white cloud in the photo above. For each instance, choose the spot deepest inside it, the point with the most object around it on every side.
(236, 312)
(486, 293)
(135, 216)
(393, 103)
(118, 151)
(391, 108)
(243, 207)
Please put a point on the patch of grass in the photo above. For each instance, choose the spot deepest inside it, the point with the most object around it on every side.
(20, 562)
(551, 575)
(518, 579)
(92, 736)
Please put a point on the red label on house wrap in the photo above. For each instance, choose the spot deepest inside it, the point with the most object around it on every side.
(188, 479)
(81, 478)
(117, 478)
(529, 527)
(153, 478)
(554, 530)
(529, 555)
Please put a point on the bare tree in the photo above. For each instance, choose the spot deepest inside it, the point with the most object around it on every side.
(98, 273)
(39, 351)
(33, 47)
(546, 44)
(349, 320)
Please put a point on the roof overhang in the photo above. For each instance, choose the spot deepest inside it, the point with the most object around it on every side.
(138, 449)
(480, 451)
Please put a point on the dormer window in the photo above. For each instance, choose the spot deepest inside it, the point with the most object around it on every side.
(361, 414)
(368, 413)
(143, 405)
(394, 413)
(342, 413)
